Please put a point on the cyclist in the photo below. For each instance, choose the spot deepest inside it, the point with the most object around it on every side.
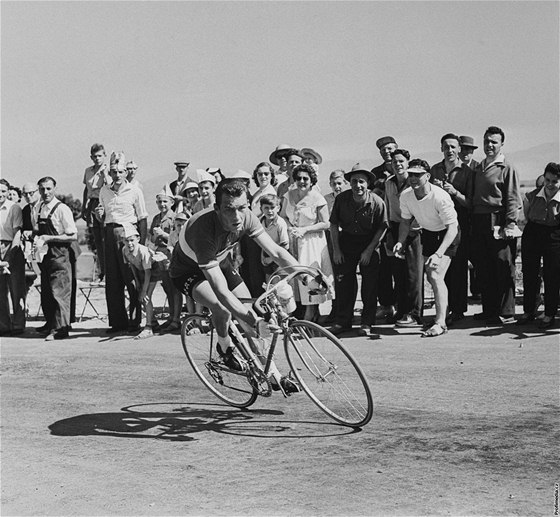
(202, 266)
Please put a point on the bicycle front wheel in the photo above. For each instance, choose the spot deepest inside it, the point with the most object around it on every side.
(199, 343)
(329, 374)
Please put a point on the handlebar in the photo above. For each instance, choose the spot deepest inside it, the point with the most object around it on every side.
(274, 282)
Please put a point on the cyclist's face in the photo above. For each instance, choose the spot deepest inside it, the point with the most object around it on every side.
(231, 212)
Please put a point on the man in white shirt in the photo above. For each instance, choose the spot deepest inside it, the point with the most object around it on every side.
(433, 209)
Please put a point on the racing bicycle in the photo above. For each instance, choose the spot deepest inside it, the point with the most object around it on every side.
(320, 363)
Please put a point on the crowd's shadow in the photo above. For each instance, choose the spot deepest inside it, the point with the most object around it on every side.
(168, 421)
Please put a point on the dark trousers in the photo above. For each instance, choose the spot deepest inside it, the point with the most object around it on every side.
(97, 231)
(252, 270)
(456, 277)
(386, 291)
(346, 285)
(409, 277)
(539, 241)
(494, 261)
(118, 277)
(56, 287)
(14, 284)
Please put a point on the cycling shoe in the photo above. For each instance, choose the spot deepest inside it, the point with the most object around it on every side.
(288, 385)
(229, 359)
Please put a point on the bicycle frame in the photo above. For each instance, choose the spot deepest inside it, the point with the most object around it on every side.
(268, 303)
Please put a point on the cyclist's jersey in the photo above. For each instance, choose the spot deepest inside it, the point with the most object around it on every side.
(204, 243)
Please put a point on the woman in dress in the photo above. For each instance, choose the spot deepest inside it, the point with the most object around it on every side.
(307, 215)
(265, 180)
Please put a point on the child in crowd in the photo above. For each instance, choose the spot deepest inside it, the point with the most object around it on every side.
(160, 231)
(338, 184)
(191, 196)
(180, 219)
(275, 226)
(146, 275)
(206, 187)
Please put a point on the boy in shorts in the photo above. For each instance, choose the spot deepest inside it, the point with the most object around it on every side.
(146, 275)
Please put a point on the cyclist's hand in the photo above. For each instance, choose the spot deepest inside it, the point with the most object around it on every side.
(263, 330)
(316, 285)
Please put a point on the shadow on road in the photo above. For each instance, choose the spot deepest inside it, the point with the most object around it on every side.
(167, 421)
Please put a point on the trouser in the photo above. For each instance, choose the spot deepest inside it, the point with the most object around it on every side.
(495, 267)
(118, 277)
(409, 277)
(96, 229)
(346, 285)
(56, 287)
(14, 284)
(386, 291)
(456, 278)
(540, 241)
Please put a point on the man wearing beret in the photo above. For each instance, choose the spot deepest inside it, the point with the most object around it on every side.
(358, 223)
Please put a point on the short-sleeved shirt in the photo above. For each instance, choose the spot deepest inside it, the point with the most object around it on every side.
(11, 220)
(141, 260)
(204, 243)
(359, 220)
(165, 222)
(433, 212)
(61, 219)
(538, 210)
(95, 180)
(278, 231)
(125, 206)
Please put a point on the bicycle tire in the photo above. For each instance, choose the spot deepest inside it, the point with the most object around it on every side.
(328, 374)
(199, 343)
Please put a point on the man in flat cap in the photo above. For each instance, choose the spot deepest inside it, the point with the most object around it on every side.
(386, 145)
(177, 186)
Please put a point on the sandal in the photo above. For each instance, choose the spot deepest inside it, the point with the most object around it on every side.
(146, 333)
(435, 330)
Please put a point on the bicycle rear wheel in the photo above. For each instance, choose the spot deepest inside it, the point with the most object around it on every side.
(329, 374)
(199, 343)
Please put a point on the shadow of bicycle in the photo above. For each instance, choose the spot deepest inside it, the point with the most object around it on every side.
(168, 421)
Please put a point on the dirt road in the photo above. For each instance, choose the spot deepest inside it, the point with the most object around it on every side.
(464, 424)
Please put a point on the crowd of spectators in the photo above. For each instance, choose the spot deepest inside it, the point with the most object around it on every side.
(455, 222)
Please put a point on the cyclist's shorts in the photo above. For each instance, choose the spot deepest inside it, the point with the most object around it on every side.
(193, 276)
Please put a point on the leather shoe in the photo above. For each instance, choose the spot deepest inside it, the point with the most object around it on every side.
(547, 323)
(115, 330)
(526, 318)
(337, 329)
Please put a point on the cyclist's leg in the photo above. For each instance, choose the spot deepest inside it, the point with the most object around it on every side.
(203, 293)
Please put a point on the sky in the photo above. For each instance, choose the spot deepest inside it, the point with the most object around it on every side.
(223, 83)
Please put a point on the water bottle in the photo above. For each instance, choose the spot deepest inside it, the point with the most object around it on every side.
(285, 295)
